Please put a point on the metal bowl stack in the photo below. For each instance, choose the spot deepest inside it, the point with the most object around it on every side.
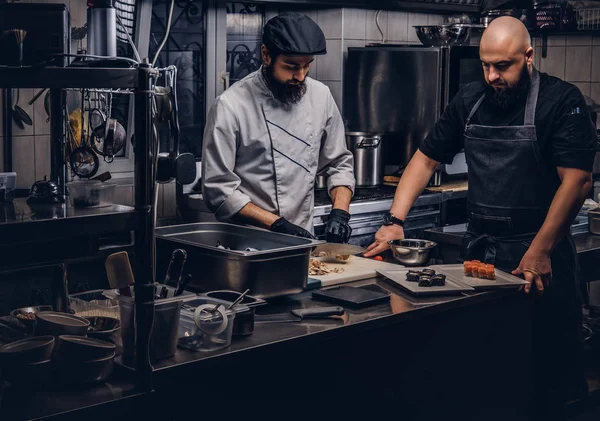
(443, 35)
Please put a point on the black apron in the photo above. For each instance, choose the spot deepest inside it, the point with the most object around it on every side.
(510, 192)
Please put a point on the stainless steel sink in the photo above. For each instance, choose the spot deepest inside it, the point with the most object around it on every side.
(276, 265)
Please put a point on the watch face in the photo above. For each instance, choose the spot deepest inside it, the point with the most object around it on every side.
(387, 219)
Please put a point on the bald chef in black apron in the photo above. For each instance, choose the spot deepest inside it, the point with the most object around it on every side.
(530, 145)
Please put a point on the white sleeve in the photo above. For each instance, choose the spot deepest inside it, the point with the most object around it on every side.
(219, 148)
(335, 160)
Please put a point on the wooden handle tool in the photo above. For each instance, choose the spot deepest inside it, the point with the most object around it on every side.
(118, 270)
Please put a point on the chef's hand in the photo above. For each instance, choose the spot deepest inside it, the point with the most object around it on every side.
(382, 236)
(284, 226)
(338, 229)
(536, 267)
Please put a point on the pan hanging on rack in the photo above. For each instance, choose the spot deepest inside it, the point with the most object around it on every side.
(108, 135)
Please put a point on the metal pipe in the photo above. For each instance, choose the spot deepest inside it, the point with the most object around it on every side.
(144, 240)
(7, 129)
(57, 139)
(60, 288)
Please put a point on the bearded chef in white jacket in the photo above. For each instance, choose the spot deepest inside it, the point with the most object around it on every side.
(269, 135)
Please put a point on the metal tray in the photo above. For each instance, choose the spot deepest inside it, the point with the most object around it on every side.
(278, 268)
(503, 279)
(398, 277)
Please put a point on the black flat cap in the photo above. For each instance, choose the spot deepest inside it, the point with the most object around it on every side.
(294, 34)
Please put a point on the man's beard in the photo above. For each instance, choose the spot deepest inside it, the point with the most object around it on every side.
(510, 95)
(287, 92)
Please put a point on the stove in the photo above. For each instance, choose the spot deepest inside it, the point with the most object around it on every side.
(360, 195)
(368, 207)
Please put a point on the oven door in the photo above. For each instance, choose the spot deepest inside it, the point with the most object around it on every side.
(462, 66)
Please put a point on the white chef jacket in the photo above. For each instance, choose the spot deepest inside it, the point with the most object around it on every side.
(257, 149)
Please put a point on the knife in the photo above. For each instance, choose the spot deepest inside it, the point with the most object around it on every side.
(337, 248)
(300, 315)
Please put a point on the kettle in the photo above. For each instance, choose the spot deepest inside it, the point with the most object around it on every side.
(44, 192)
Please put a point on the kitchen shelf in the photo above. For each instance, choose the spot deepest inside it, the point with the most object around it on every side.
(537, 33)
(24, 229)
(68, 77)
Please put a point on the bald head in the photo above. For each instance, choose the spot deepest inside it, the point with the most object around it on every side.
(506, 33)
(505, 52)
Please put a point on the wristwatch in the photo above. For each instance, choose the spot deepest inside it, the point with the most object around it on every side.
(390, 219)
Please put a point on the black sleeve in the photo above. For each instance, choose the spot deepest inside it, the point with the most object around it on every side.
(446, 138)
(573, 140)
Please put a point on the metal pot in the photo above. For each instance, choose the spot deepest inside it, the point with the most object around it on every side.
(368, 158)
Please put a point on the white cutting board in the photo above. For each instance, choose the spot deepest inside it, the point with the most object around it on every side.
(355, 269)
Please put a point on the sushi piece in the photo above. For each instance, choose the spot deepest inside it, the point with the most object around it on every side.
(468, 265)
(429, 272)
(413, 276)
(490, 272)
(481, 271)
(424, 281)
(438, 280)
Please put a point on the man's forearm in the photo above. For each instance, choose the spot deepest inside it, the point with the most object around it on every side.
(340, 197)
(566, 204)
(415, 178)
(254, 215)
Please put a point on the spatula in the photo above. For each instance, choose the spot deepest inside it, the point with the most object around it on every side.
(118, 270)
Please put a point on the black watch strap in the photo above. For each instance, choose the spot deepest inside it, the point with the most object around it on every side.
(390, 219)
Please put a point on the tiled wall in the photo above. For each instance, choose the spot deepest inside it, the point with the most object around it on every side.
(346, 28)
(574, 58)
(31, 146)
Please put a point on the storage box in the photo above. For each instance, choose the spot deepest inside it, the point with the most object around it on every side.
(91, 193)
(8, 183)
(94, 303)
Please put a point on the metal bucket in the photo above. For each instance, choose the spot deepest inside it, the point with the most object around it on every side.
(368, 158)
(163, 342)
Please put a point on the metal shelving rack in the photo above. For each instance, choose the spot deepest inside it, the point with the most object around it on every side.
(140, 219)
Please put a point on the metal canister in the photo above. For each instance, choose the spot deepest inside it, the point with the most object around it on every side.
(368, 158)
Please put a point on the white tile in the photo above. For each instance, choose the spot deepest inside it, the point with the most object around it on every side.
(1, 154)
(595, 92)
(270, 12)
(584, 87)
(537, 43)
(330, 21)
(351, 43)
(169, 200)
(556, 40)
(435, 19)
(314, 67)
(41, 123)
(581, 40)
(397, 26)
(415, 19)
(354, 23)
(78, 13)
(554, 63)
(336, 91)
(537, 57)
(42, 157)
(372, 33)
(579, 64)
(24, 95)
(596, 63)
(330, 65)
(596, 40)
(24, 161)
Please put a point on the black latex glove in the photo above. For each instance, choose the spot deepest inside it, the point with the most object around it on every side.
(284, 226)
(338, 229)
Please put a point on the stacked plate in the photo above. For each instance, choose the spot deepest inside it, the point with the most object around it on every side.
(28, 362)
(84, 360)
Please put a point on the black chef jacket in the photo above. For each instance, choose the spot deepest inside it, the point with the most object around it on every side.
(565, 132)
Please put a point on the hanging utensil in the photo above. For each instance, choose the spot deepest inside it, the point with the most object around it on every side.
(20, 116)
(83, 161)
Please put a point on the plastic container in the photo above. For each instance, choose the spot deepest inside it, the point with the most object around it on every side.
(8, 184)
(204, 331)
(94, 303)
(163, 340)
(91, 193)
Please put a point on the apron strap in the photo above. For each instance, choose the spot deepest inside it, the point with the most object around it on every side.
(532, 98)
(474, 109)
(489, 243)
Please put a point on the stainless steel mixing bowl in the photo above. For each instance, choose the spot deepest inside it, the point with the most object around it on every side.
(444, 35)
(412, 252)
